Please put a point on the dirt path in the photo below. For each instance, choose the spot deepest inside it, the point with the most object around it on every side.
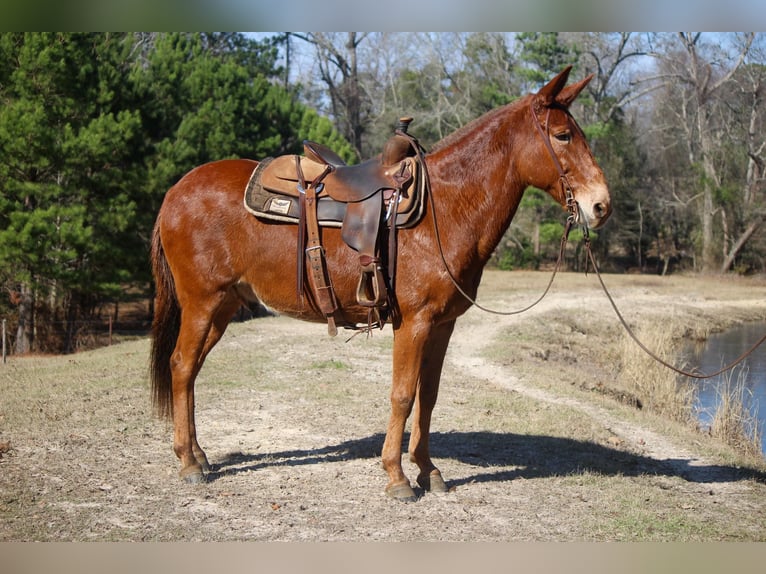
(528, 451)
(466, 355)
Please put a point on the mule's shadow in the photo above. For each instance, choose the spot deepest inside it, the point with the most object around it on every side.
(499, 457)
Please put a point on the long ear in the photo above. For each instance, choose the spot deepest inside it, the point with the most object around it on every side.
(568, 94)
(548, 93)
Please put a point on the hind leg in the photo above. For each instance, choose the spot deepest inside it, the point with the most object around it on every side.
(202, 326)
(221, 320)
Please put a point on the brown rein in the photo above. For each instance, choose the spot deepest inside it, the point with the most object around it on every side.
(693, 374)
(572, 219)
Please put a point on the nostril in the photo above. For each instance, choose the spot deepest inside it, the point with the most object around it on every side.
(599, 210)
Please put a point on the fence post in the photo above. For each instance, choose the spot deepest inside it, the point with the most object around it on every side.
(3, 341)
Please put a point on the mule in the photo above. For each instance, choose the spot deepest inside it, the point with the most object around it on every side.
(210, 256)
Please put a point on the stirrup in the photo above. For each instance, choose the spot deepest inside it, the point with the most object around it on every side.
(372, 280)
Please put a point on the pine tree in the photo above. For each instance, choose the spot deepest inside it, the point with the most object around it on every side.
(68, 173)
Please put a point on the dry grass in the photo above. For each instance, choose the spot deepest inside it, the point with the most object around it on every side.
(657, 387)
(734, 421)
(293, 421)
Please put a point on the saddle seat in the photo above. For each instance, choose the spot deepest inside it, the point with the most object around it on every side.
(319, 189)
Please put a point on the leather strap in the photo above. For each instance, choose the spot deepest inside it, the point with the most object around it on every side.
(374, 290)
(401, 177)
(566, 188)
(310, 247)
(301, 227)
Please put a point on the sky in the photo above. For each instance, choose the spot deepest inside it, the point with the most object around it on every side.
(391, 15)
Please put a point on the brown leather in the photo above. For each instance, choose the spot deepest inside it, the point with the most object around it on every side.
(396, 149)
(345, 183)
(273, 192)
(362, 222)
(322, 154)
(319, 280)
(280, 174)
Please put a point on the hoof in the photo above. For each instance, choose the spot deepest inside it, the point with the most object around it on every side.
(202, 460)
(192, 475)
(401, 492)
(433, 482)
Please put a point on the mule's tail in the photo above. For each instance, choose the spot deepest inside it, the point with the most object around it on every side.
(165, 327)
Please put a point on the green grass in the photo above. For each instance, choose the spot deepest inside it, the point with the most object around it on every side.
(330, 364)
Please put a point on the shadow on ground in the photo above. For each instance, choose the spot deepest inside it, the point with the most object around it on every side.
(500, 457)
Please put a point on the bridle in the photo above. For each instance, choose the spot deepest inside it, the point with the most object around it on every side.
(571, 204)
(575, 216)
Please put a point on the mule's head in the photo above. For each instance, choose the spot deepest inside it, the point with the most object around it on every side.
(559, 159)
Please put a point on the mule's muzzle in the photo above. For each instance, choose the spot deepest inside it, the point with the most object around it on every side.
(593, 214)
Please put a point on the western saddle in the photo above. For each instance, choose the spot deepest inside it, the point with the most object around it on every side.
(319, 190)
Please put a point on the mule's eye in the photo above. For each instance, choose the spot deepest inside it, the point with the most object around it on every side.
(564, 137)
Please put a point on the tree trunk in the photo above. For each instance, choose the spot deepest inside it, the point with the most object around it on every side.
(712, 180)
(705, 86)
(26, 327)
(338, 68)
(739, 244)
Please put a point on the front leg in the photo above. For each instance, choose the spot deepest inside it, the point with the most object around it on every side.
(430, 477)
(418, 356)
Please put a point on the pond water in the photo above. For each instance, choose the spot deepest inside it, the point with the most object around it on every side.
(720, 350)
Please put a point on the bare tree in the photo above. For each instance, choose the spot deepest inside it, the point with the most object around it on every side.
(748, 107)
(615, 59)
(695, 68)
(368, 80)
(337, 59)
